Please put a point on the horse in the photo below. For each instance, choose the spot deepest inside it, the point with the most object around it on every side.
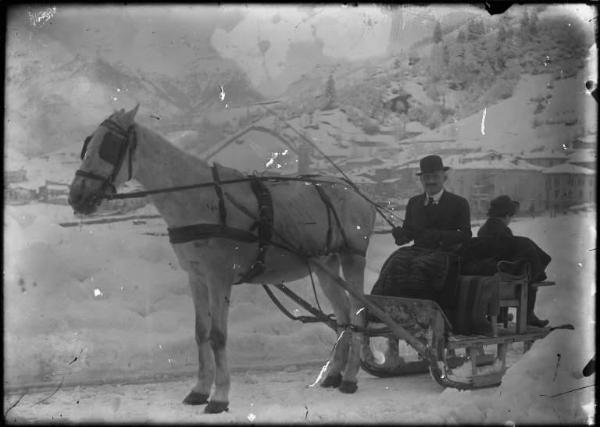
(228, 233)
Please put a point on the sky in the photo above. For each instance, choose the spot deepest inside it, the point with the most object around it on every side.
(165, 38)
(257, 37)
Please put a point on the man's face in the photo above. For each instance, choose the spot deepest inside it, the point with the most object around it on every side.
(433, 182)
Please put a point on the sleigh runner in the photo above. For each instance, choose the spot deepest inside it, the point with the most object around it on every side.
(454, 357)
(462, 361)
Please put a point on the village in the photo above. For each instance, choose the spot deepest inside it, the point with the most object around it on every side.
(544, 181)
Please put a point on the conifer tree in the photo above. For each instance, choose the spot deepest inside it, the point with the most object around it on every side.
(330, 95)
(437, 33)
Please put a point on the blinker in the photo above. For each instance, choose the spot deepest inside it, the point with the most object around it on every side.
(110, 148)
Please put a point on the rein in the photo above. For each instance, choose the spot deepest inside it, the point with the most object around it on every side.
(135, 194)
(129, 145)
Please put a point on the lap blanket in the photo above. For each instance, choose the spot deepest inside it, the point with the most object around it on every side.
(413, 272)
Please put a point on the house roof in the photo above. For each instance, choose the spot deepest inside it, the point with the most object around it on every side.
(485, 161)
(566, 168)
(532, 155)
(586, 155)
(589, 139)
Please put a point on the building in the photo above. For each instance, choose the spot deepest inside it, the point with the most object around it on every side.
(587, 141)
(568, 185)
(545, 159)
(395, 98)
(481, 176)
(585, 157)
(54, 192)
(14, 176)
(14, 195)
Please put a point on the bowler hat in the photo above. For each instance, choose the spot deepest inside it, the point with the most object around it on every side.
(430, 164)
(502, 206)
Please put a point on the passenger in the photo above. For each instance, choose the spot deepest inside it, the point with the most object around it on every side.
(515, 249)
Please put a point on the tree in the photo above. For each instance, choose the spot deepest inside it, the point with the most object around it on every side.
(446, 55)
(460, 38)
(475, 29)
(330, 95)
(501, 33)
(533, 24)
(437, 33)
(524, 26)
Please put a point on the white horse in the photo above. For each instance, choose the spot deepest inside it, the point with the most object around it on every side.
(252, 231)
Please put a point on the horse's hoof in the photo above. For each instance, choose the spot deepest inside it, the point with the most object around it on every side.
(216, 407)
(195, 398)
(332, 381)
(348, 387)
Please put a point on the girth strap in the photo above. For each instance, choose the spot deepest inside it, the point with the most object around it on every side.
(219, 191)
(327, 202)
(264, 226)
(190, 233)
(332, 212)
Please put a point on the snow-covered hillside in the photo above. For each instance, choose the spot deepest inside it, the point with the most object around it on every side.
(55, 92)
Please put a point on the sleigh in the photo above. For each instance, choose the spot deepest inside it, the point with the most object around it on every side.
(228, 228)
(453, 351)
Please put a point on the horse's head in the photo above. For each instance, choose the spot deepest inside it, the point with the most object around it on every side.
(106, 161)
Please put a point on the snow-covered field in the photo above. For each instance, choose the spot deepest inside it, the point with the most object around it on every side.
(108, 304)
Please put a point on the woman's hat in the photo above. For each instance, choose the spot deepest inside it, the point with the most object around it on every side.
(431, 164)
(502, 206)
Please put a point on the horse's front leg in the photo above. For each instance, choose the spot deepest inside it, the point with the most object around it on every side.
(220, 293)
(339, 302)
(200, 293)
(353, 267)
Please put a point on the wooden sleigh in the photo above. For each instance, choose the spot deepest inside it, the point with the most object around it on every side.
(457, 360)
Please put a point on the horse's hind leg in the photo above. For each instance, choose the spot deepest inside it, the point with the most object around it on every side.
(339, 302)
(201, 391)
(220, 293)
(353, 267)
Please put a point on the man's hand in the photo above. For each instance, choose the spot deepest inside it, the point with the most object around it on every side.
(400, 236)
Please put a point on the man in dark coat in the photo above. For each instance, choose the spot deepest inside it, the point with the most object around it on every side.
(438, 222)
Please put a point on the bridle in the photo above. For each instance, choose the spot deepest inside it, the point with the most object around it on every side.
(126, 141)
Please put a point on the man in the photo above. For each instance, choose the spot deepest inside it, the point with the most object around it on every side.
(438, 222)
(436, 219)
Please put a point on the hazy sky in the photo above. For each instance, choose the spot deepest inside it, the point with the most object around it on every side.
(167, 38)
(346, 32)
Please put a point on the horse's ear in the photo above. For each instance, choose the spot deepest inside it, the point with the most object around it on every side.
(130, 115)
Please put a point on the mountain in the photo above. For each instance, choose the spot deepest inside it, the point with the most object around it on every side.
(55, 96)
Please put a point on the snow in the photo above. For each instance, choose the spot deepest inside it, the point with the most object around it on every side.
(107, 303)
(570, 169)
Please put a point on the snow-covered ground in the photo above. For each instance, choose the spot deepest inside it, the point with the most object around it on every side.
(108, 304)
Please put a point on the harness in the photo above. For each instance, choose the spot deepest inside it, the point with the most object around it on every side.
(117, 143)
(260, 231)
